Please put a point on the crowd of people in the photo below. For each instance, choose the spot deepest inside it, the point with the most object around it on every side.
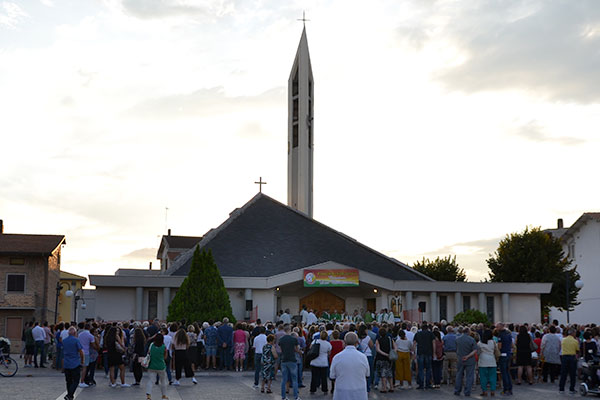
(348, 357)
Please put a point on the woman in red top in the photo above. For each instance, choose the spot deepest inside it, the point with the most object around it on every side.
(337, 345)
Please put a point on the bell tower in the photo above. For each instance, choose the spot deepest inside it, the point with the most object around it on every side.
(300, 131)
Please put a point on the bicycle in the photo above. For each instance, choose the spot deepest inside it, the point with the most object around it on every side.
(8, 366)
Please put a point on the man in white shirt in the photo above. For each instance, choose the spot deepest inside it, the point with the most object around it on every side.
(39, 335)
(304, 314)
(259, 342)
(349, 369)
(286, 318)
(311, 319)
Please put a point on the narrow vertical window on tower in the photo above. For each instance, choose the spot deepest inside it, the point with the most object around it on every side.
(295, 110)
(295, 84)
(295, 136)
(310, 89)
(309, 122)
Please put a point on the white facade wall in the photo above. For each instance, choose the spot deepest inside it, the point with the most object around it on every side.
(266, 300)
(524, 308)
(291, 302)
(354, 303)
(586, 243)
(238, 303)
(114, 304)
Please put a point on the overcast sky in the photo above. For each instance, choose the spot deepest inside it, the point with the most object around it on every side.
(440, 126)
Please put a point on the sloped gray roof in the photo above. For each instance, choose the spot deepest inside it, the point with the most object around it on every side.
(266, 238)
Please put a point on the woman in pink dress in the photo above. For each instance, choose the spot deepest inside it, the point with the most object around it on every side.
(239, 347)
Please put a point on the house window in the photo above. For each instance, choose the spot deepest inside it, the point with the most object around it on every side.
(572, 251)
(152, 304)
(490, 308)
(17, 261)
(466, 303)
(443, 307)
(15, 283)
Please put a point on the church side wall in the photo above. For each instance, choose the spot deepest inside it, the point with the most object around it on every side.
(238, 303)
(291, 302)
(115, 303)
(524, 308)
(354, 303)
(266, 302)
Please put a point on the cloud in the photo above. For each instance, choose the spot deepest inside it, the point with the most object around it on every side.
(149, 9)
(143, 254)
(549, 49)
(481, 247)
(204, 102)
(535, 132)
(11, 15)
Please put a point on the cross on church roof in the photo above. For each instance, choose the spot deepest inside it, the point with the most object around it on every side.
(303, 19)
(260, 183)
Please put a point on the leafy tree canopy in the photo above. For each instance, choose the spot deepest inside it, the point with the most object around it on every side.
(535, 256)
(470, 317)
(441, 269)
(202, 295)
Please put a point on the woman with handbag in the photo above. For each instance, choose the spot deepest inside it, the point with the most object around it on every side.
(115, 351)
(139, 351)
(487, 362)
(386, 354)
(155, 362)
(525, 346)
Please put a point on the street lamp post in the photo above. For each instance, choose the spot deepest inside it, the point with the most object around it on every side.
(578, 285)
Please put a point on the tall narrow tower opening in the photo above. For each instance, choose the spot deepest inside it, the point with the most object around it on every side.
(300, 131)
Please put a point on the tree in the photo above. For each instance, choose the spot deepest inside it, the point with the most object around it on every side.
(441, 269)
(470, 317)
(202, 295)
(536, 256)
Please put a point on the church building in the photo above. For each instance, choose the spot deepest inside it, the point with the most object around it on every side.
(274, 256)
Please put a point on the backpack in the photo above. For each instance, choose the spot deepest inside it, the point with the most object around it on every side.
(313, 352)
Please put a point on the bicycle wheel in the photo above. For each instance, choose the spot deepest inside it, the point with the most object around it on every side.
(8, 367)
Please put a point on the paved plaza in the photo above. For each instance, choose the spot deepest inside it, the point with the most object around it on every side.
(49, 384)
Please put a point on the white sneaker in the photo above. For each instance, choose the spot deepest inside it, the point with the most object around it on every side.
(113, 385)
(194, 381)
(176, 383)
(125, 385)
(83, 385)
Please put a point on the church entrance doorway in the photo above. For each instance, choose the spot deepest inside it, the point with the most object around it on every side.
(323, 300)
(372, 305)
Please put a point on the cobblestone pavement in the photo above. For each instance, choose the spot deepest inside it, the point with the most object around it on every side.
(49, 384)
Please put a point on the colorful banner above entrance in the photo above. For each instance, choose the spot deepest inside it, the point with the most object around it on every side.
(330, 277)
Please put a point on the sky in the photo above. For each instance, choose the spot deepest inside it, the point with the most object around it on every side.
(440, 126)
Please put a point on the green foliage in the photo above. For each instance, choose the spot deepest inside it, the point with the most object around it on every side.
(441, 269)
(471, 317)
(535, 256)
(202, 295)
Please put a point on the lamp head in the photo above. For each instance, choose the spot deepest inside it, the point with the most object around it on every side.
(69, 293)
(579, 284)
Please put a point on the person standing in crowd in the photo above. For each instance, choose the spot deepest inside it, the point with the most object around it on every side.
(551, 353)
(73, 360)
(158, 356)
(115, 346)
(524, 349)
(269, 356)
(384, 346)
(139, 350)
(239, 347)
(319, 365)
(366, 347)
(225, 344)
(438, 359)
(350, 371)
(311, 318)
(304, 315)
(466, 348)
(337, 346)
(487, 363)
(29, 345)
(260, 340)
(94, 348)
(405, 351)
(211, 341)
(568, 366)
(47, 340)
(505, 343)
(289, 370)
(86, 339)
(193, 347)
(286, 318)
(299, 355)
(179, 346)
(58, 340)
(589, 348)
(450, 360)
(39, 336)
(424, 340)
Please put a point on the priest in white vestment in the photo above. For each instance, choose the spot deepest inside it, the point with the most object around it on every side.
(350, 369)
